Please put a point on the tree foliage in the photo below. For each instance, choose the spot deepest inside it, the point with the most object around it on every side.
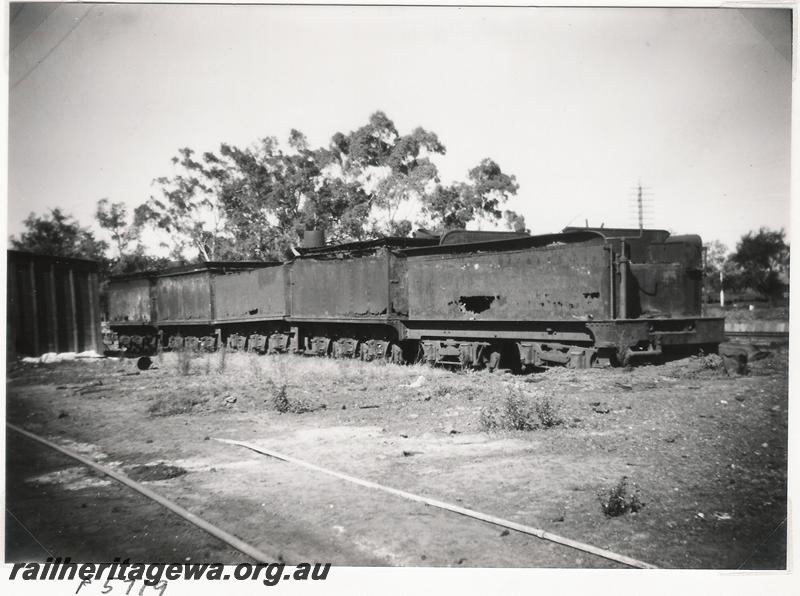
(59, 234)
(717, 260)
(130, 254)
(114, 218)
(515, 222)
(762, 258)
(256, 202)
(488, 188)
(187, 207)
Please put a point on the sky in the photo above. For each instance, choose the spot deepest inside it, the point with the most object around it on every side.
(580, 104)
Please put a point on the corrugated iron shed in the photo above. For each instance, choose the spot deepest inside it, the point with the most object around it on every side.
(53, 304)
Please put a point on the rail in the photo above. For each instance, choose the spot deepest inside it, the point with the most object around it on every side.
(222, 535)
(260, 556)
(544, 535)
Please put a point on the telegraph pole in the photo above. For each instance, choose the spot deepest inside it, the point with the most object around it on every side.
(642, 203)
(639, 205)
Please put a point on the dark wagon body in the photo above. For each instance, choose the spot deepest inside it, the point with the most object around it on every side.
(351, 297)
(184, 302)
(250, 295)
(348, 286)
(186, 295)
(252, 306)
(130, 301)
(559, 298)
(523, 280)
(185, 298)
(53, 304)
(469, 298)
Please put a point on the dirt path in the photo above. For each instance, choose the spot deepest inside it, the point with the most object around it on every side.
(704, 452)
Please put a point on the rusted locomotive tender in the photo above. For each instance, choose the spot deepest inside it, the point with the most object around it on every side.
(468, 298)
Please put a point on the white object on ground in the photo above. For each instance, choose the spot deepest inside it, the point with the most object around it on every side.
(419, 382)
(51, 357)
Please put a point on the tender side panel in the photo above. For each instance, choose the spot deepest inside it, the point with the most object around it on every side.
(129, 301)
(664, 289)
(564, 282)
(246, 295)
(345, 288)
(184, 297)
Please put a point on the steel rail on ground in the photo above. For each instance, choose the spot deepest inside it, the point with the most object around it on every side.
(222, 535)
(544, 535)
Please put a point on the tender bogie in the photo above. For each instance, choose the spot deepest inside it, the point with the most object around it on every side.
(236, 342)
(549, 354)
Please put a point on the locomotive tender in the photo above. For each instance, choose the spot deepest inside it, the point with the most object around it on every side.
(467, 298)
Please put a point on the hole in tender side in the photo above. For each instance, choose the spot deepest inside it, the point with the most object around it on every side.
(475, 304)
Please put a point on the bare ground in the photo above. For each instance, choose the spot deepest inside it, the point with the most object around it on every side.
(703, 451)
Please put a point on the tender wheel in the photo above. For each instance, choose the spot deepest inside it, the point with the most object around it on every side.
(395, 355)
(364, 352)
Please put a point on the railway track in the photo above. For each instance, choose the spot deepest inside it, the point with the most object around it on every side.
(276, 552)
(222, 535)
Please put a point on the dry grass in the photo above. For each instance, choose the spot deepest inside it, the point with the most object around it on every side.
(285, 383)
(300, 370)
(183, 362)
(222, 359)
(245, 381)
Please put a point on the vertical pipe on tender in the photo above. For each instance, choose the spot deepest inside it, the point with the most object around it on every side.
(152, 296)
(623, 281)
(34, 308)
(53, 310)
(389, 304)
(611, 283)
(73, 312)
(286, 282)
(212, 306)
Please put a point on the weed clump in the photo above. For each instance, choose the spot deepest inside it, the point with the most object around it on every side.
(280, 400)
(620, 499)
(283, 404)
(278, 389)
(518, 412)
(547, 412)
(711, 362)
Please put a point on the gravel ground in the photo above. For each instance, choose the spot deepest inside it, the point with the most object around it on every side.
(693, 459)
